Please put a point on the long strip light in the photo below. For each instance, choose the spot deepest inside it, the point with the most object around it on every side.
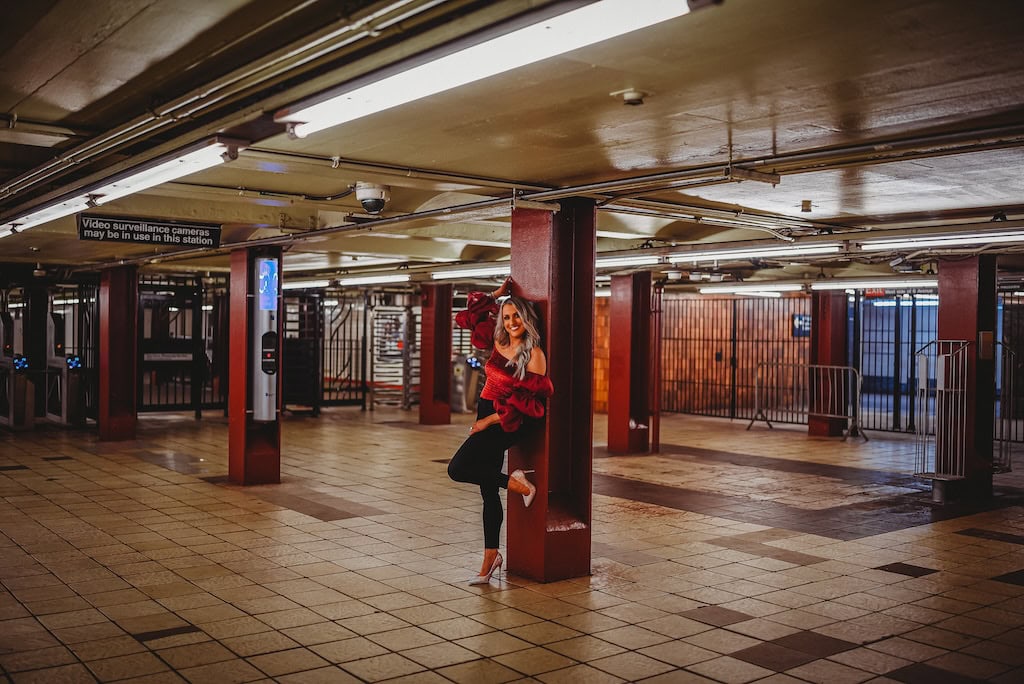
(373, 280)
(891, 303)
(304, 284)
(614, 262)
(192, 159)
(751, 288)
(900, 284)
(572, 30)
(795, 250)
(482, 272)
(932, 241)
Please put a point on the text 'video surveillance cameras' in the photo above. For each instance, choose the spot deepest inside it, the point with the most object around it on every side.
(372, 196)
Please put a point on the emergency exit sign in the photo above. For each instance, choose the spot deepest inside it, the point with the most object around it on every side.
(148, 232)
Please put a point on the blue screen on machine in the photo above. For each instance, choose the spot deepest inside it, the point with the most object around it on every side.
(266, 270)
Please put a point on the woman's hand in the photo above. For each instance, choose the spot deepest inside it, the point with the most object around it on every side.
(505, 288)
(483, 424)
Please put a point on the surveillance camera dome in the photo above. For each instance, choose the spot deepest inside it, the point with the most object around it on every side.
(372, 196)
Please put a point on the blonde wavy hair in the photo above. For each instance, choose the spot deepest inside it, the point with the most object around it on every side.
(530, 338)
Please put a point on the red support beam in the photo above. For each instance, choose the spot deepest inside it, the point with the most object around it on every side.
(254, 448)
(553, 265)
(629, 382)
(118, 353)
(436, 354)
(967, 311)
(828, 348)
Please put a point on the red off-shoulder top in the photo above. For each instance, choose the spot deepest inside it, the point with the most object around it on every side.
(514, 399)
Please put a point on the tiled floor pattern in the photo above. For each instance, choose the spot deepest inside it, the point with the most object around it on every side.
(732, 556)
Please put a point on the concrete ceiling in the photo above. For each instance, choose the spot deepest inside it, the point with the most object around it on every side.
(882, 114)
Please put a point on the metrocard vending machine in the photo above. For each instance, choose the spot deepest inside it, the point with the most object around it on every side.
(265, 340)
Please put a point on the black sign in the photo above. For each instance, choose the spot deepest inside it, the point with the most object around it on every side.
(147, 232)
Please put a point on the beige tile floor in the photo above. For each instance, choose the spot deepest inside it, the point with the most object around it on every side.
(120, 562)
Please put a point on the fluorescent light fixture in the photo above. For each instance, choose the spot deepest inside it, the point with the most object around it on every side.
(901, 284)
(207, 307)
(304, 284)
(603, 292)
(587, 25)
(46, 214)
(189, 160)
(479, 272)
(168, 170)
(373, 279)
(603, 278)
(614, 262)
(751, 287)
(794, 250)
(891, 303)
(932, 241)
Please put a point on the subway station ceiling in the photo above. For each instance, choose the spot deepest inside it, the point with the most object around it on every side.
(762, 122)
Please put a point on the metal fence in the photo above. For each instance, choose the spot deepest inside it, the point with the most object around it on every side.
(183, 340)
(394, 356)
(346, 322)
(885, 333)
(793, 393)
(941, 399)
(711, 348)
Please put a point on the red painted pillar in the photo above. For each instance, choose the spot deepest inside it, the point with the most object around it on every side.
(629, 367)
(254, 447)
(828, 348)
(436, 354)
(553, 265)
(967, 311)
(118, 353)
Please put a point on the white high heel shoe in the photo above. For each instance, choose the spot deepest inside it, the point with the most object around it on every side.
(520, 476)
(495, 568)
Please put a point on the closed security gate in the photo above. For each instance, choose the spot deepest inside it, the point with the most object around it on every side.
(183, 345)
(302, 378)
(346, 316)
(711, 348)
(885, 333)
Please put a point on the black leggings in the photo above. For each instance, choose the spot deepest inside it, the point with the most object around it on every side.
(478, 461)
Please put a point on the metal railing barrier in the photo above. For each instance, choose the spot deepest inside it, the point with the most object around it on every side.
(796, 392)
(941, 399)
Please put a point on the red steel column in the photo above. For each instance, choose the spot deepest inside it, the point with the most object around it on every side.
(553, 265)
(828, 348)
(436, 354)
(629, 368)
(118, 353)
(254, 448)
(967, 311)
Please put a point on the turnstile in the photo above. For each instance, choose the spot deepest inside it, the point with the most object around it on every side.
(65, 391)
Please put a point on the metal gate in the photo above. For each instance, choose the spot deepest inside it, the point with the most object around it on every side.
(885, 333)
(711, 348)
(183, 345)
(302, 377)
(346, 316)
(395, 359)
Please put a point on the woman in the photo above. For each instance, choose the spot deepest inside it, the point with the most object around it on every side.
(512, 398)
